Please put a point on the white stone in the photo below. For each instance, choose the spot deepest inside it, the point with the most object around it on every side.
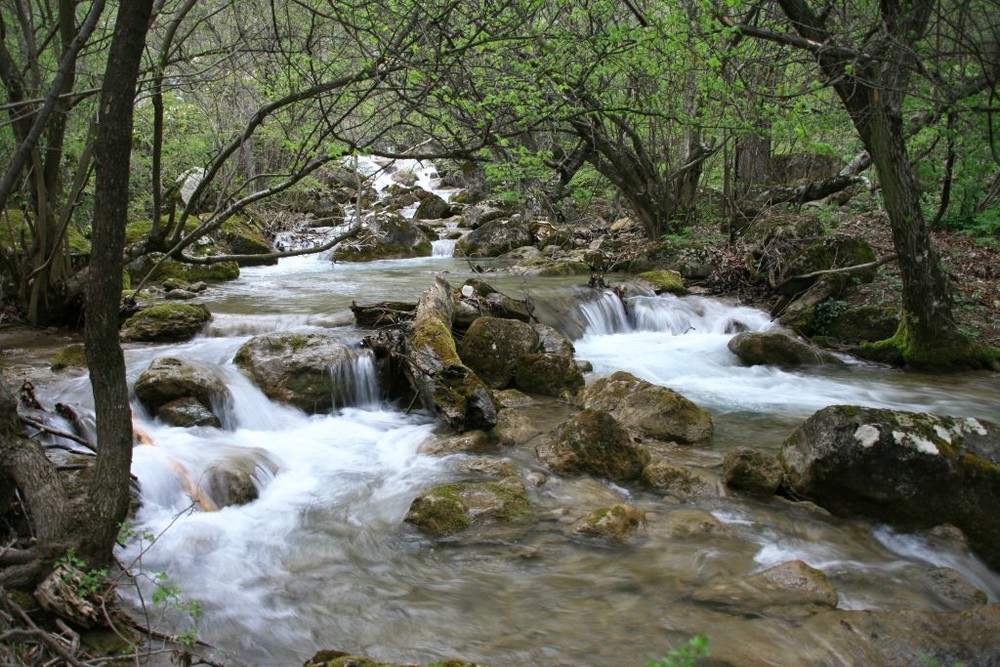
(943, 433)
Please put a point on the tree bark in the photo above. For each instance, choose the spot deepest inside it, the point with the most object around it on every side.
(109, 492)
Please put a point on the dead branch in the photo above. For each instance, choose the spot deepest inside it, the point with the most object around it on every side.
(846, 269)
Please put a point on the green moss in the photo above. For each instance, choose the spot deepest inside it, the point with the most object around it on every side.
(665, 280)
(513, 497)
(14, 230)
(71, 356)
(440, 512)
(957, 353)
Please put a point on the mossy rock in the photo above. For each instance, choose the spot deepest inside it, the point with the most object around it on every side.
(71, 356)
(390, 236)
(693, 260)
(452, 508)
(242, 237)
(832, 252)
(752, 471)
(864, 323)
(910, 469)
(493, 345)
(552, 268)
(166, 323)
(619, 523)
(187, 273)
(593, 442)
(664, 281)
(755, 348)
(548, 374)
(652, 410)
(14, 230)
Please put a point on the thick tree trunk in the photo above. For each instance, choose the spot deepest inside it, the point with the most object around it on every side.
(109, 492)
(929, 326)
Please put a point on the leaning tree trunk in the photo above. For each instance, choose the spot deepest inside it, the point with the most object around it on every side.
(109, 492)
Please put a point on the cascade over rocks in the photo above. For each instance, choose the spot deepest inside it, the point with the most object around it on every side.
(166, 323)
(910, 469)
(755, 348)
(593, 442)
(654, 411)
(294, 368)
(183, 392)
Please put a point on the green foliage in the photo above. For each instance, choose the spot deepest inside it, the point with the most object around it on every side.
(91, 581)
(827, 312)
(685, 656)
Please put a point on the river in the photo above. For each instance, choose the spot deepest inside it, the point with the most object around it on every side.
(323, 558)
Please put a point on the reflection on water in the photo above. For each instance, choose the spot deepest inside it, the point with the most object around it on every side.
(323, 559)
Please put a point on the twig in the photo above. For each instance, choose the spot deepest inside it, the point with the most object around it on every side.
(846, 269)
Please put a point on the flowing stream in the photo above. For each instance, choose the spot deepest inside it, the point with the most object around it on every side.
(323, 558)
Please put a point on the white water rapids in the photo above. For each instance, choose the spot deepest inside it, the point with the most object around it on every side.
(323, 558)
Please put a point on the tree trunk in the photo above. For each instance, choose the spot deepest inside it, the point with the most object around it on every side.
(109, 492)
(929, 326)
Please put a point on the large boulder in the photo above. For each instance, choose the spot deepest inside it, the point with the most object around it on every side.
(680, 482)
(912, 470)
(294, 368)
(166, 323)
(831, 252)
(451, 508)
(650, 409)
(432, 207)
(548, 374)
(494, 238)
(493, 345)
(388, 236)
(488, 210)
(771, 348)
(593, 442)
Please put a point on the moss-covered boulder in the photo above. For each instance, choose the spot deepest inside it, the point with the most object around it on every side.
(494, 238)
(388, 236)
(664, 281)
(295, 368)
(166, 268)
(619, 523)
(692, 260)
(910, 469)
(548, 374)
(771, 348)
(593, 442)
(242, 237)
(862, 324)
(493, 345)
(488, 210)
(432, 207)
(166, 323)
(451, 508)
(71, 356)
(650, 409)
(752, 471)
(183, 392)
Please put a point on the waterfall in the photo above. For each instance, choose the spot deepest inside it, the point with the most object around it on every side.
(606, 315)
(354, 381)
(443, 247)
